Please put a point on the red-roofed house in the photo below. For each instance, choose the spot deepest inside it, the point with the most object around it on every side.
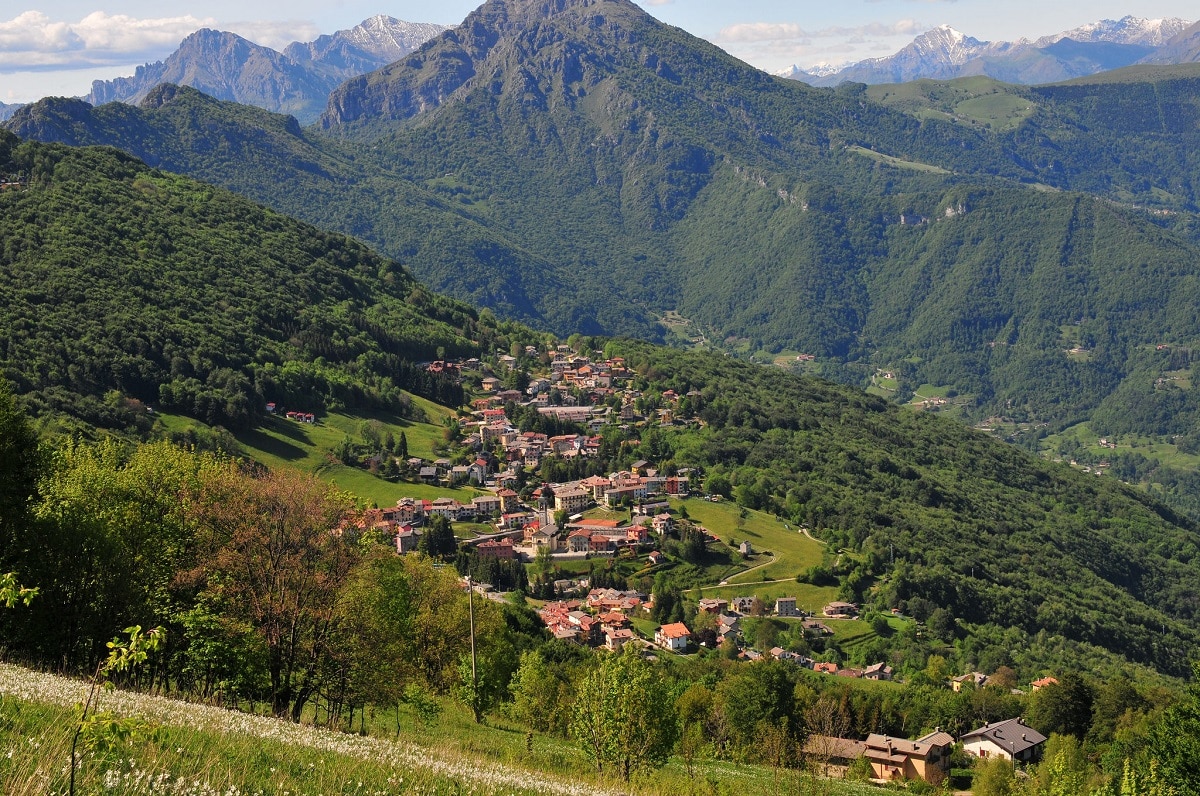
(673, 636)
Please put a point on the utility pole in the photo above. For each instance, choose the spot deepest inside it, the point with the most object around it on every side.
(471, 613)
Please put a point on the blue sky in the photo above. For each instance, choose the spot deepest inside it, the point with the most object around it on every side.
(57, 47)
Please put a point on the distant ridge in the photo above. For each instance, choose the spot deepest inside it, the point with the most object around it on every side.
(945, 53)
(297, 81)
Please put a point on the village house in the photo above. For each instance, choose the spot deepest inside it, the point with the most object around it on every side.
(571, 499)
(579, 541)
(842, 609)
(746, 549)
(608, 602)
(509, 500)
(743, 605)
(407, 539)
(786, 606)
(878, 671)
(673, 637)
(713, 605)
(1011, 739)
(677, 486)
(816, 628)
(600, 544)
(616, 638)
(825, 668)
(927, 758)
(728, 626)
(1043, 682)
(497, 548)
(486, 505)
(974, 679)
(597, 485)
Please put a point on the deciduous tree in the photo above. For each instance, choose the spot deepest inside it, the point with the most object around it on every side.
(624, 716)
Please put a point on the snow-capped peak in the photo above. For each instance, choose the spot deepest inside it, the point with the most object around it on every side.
(388, 37)
(1127, 30)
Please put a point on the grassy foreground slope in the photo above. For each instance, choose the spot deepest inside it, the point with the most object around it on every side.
(192, 749)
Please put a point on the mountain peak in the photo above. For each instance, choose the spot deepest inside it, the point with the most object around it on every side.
(507, 42)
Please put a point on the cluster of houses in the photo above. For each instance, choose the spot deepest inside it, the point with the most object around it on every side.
(602, 618)
(521, 532)
(928, 757)
(298, 417)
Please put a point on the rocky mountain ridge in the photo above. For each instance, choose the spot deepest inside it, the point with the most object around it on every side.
(944, 53)
(297, 81)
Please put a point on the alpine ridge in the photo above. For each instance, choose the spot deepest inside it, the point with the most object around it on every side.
(297, 81)
(944, 53)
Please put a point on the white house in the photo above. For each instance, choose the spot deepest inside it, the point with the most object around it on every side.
(673, 636)
(1008, 739)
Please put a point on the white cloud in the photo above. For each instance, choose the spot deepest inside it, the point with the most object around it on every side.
(275, 34)
(783, 31)
(32, 40)
(778, 45)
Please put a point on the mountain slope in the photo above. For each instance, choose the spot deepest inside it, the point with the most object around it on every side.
(267, 158)
(297, 81)
(116, 277)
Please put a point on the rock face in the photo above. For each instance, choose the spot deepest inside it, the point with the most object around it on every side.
(6, 110)
(944, 53)
(509, 45)
(1183, 48)
(297, 81)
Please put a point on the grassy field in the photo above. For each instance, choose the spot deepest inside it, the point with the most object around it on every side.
(793, 552)
(193, 750)
(911, 165)
(280, 442)
(975, 100)
(1152, 448)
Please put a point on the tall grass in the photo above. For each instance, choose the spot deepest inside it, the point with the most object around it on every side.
(185, 749)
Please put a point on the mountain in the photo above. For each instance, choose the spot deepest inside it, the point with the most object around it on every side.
(585, 168)
(944, 53)
(6, 111)
(1183, 48)
(373, 43)
(297, 81)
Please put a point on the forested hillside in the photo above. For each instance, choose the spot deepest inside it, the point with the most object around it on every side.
(122, 286)
(1017, 548)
